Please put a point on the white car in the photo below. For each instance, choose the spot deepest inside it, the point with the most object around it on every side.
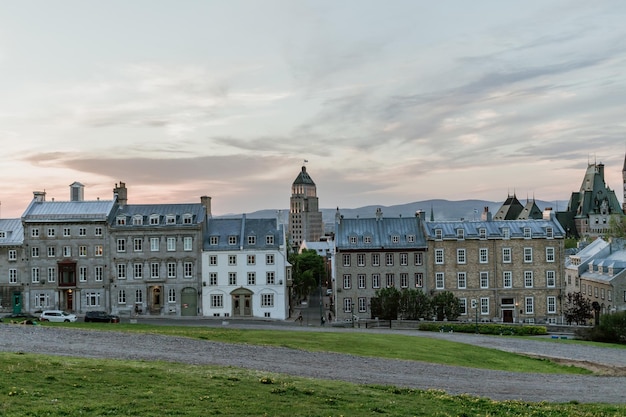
(57, 316)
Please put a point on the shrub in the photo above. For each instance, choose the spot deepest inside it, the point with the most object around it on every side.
(493, 329)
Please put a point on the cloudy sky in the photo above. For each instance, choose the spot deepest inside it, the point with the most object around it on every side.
(390, 102)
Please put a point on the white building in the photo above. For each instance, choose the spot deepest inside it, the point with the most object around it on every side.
(245, 272)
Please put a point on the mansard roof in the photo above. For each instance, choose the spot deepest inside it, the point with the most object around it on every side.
(379, 233)
(242, 228)
(11, 232)
(56, 211)
(146, 211)
(495, 229)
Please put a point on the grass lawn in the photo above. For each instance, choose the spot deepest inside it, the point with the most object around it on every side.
(38, 385)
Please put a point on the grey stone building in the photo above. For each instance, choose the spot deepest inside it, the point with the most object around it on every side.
(11, 265)
(305, 217)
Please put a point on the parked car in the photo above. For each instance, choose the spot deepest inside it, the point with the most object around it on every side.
(57, 316)
(101, 316)
(25, 318)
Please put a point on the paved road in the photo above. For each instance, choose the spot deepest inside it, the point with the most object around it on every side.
(497, 385)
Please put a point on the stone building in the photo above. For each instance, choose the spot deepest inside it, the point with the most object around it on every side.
(12, 259)
(305, 217)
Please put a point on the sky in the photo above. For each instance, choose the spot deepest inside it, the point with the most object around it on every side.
(389, 102)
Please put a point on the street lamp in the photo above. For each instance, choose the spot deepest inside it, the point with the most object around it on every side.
(353, 315)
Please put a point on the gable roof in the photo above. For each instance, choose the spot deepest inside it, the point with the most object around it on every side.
(13, 232)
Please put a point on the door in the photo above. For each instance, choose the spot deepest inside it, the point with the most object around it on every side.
(189, 302)
(241, 302)
(156, 301)
(507, 316)
(17, 302)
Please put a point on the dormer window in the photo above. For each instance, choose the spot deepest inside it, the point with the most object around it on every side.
(438, 234)
(232, 240)
(460, 234)
(549, 232)
(3, 235)
(187, 218)
(251, 240)
(120, 220)
(410, 238)
(353, 240)
(213, 240)
(395, 239)
(137, 220)
(527, 233)
(154, 219)
(482, 233)
(506, 233)
(367, 239)
(170, 219)
(269, 240)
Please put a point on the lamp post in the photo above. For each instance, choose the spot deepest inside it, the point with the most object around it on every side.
(475, 307)
(321, 300)
(353, 315)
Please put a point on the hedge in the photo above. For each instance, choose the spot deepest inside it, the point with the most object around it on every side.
(493, 329)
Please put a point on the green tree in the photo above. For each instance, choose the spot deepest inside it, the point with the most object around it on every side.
(612, 328)
(414, 304)
(308, 268)
(617, 226)
(577, 308)
(385, 304)
(446, 306)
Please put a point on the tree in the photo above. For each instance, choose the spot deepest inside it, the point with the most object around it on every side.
(308, 268)
(578, 308)
(386, 303)
(446, 306)
(414, 304)
(617, 226)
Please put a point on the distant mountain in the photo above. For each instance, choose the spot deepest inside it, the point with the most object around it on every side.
(441, 209)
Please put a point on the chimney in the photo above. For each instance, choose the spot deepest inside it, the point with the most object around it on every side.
(547, 213)
(206, 202)
(77, 191)
(379, 213)
(420, 214)
(39, 196)
(338, 216)
(121, 194)
(486, 215)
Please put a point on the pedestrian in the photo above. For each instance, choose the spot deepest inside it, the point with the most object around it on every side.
(300, 319)
(330, 317)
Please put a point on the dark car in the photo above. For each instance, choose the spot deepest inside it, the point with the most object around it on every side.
(101, 316)
(25, 318)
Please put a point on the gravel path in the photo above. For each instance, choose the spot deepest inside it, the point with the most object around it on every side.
(497, 385)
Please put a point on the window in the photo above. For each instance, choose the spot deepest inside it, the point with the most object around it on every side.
(375, 259)
(528, 279)
(550, 279)
(171, 244)
(51, 232)
(361, 280)
(267, 300)
(232, 278)
(42, 300)
(375, 280)
(269, 259)
(12, 276)
(353, 240)
(438, 234)
(52, 274)
(609, 295)
(51, 251)
(121, 245)
(232, 260)
(213, 240)
(347, 305)
(171, 295)
(98, 231)
(170, 219)
(460, 256)
(439, 281)
(550, 254)
(12, 255)
(506, 255)
(121, 297)
(34, 232)
(367, 239)
(347, 284)
(171, 269)
(507, 279)
(439, 256)
(483, 257)
(419, 280)
(270, 278)
(549, 232)
(484, 280)
(602, 290)
(410, 238)
(154, 244)
(419, 258)
(138, 244)
(138, 296)
(138, 271)
(137, 220)
(395, 239)
(34, 252)
(82, 274)
(82, 231)
(460, 234)
(154, 219)
(389, 259)
(530, 305)
(121, 271)
(154, 270)
(389, 279)
(66, 231)
(269, 240)
(98, 273)
(461, 278)
(506, 233)
(346, 260)
(362, 304)
(217, 301)
(404, 280)
(251, 278)
(121, 221)
(187, 243)
(187, 218)
(527, 233)
(213, 278)
(484, 305)
(251, 259)
(232, 240)
(251, 240)
(98, 250)
(404, 259)
(463, 306)
(528, 255)
(360, 259)
(482, 233)
(551, 301)
(188, 269)
(82, 250)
